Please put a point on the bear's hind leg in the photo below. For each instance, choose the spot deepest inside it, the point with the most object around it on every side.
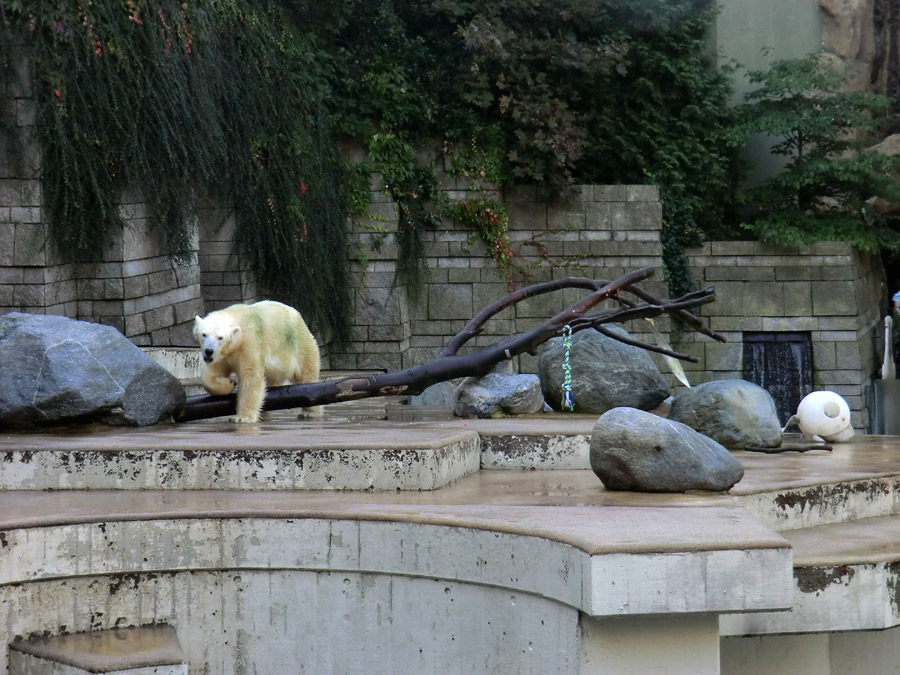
(307, 374)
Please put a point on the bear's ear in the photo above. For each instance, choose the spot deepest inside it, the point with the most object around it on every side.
(235, 331)
(198, 325)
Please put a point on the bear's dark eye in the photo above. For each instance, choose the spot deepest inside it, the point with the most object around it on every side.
(219, 338)
(204, 335)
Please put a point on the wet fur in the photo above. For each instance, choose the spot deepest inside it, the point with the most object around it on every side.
(259, 345)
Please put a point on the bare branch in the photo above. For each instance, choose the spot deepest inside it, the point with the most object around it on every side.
(449, 364)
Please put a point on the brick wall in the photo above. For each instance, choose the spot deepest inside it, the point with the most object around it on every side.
(224, 277)
(601, 232)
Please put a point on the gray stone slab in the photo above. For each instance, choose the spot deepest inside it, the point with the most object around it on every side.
(222, 456)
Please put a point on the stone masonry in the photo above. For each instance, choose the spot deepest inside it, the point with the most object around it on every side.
(134, 287)
(828, 290)
(602, 232)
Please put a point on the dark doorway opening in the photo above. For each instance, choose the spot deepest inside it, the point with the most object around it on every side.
(780, 363)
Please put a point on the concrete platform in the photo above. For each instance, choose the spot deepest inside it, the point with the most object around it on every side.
(481, 553)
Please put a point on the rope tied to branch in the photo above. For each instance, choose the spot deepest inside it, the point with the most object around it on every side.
(568, 398)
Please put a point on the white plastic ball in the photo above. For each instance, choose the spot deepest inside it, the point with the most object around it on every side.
(825, 414)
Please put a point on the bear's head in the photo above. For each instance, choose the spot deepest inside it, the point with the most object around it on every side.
(217, 335)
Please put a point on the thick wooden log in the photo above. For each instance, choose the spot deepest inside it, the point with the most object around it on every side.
(449, 364)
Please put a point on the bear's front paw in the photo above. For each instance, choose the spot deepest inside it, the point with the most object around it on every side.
(245, 419)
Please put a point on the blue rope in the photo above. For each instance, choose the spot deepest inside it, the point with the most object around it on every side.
(568, 399)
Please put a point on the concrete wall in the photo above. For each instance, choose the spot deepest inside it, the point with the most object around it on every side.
(839, 653)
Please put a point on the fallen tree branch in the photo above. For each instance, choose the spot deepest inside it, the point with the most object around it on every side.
(449, 364)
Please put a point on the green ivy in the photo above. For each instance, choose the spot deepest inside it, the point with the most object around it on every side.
(490, 220)
(254, 100)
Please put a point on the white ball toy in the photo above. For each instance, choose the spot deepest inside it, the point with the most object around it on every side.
(824, 414)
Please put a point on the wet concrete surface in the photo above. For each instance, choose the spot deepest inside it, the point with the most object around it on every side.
(377, 426)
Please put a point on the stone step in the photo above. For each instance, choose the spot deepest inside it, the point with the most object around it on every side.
(142, 650)
(799, 490)
(846, 578)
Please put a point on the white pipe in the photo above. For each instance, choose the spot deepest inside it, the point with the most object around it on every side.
(888, 371)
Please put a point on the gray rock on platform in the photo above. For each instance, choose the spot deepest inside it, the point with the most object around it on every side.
(440, 394)
(496, 394)
(642, 452)
(57, 370)
(736, 413)
(606, 373)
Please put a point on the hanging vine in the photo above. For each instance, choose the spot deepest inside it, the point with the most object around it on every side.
(253, 100)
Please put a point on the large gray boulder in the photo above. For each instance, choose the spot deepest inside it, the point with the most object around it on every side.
(496, 394)
(606, 373)
(55, 370)
(736, 413)
(642, 452)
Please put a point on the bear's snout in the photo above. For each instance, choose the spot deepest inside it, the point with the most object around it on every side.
(208, 355)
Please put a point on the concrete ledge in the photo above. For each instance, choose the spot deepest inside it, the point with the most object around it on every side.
(846, 577)
(791, 491)
(517, 452)
(604, 562)
(131, 651)
(321, 458)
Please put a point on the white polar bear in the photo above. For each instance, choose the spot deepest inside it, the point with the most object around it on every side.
(259, 345)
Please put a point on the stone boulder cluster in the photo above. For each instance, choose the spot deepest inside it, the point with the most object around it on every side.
(61, 371)
(55, 370)
(631, 448)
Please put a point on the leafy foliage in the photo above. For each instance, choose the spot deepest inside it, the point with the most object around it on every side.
(666, 119)
(172, 98)
(254, 100)
(826, 187)
(490, 221)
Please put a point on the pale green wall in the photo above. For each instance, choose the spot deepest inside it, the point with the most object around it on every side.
(789, 28)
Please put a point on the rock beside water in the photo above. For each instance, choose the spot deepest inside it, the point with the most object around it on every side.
(736, 413)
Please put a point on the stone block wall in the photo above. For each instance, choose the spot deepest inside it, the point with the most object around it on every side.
(601, 232)
(224, 277)
(828, 290)
(134, 287)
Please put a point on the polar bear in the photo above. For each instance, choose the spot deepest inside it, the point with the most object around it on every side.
(259, 345)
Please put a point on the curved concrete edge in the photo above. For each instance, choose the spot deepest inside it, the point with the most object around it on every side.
(830, 599)
(824, 504)
(556, 553)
